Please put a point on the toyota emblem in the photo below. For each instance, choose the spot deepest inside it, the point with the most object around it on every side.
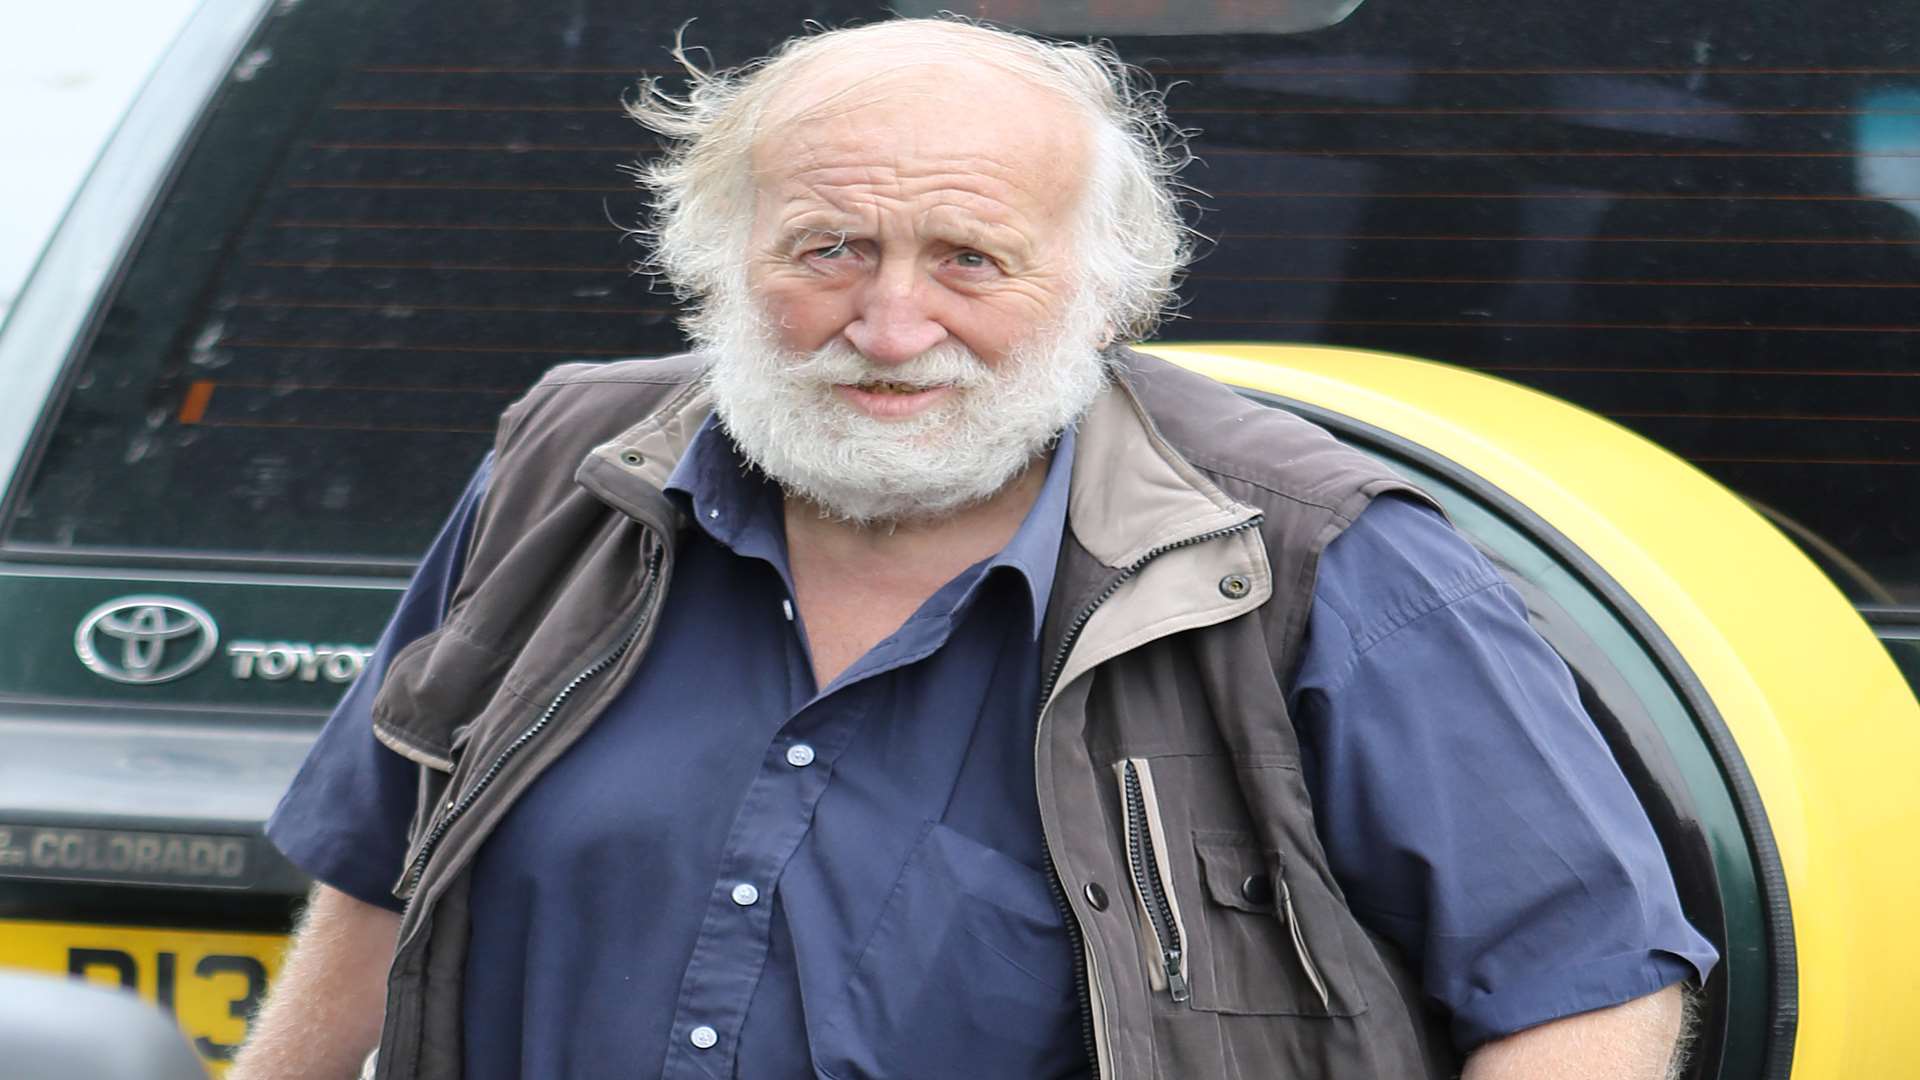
(145, 639)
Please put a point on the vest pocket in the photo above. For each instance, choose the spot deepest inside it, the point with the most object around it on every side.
(1265, 944)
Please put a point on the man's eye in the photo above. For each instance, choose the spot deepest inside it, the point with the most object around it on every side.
(973, 260)
(832, 252)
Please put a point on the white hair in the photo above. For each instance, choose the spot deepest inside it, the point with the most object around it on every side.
(1132, 242)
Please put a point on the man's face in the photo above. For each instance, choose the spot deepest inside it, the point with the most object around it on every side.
(911, 334)
(909, 210)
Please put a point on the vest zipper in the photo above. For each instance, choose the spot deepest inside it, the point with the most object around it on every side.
(1300, 947)
(1079, 623)
(1145, 864)
(457, 809)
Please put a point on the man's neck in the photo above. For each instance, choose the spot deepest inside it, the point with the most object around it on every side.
(856, 584)
(967, 535)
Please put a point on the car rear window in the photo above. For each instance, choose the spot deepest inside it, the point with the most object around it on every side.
(1700, 219)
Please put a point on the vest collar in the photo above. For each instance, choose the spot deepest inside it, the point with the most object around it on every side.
(629, 471)
(1134, 497)
(1132, 492)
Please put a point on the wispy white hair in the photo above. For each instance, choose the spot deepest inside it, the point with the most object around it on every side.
(1131, 242)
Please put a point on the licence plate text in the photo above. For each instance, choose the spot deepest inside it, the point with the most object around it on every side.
(209, 981)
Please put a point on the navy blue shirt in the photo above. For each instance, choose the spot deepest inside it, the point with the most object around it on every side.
(849, 880)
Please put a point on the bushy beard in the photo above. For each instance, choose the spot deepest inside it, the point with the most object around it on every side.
(782, 412)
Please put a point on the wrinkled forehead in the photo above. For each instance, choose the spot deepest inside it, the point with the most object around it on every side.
(948, 116)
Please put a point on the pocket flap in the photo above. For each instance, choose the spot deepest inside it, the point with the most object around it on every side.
(1237, 872)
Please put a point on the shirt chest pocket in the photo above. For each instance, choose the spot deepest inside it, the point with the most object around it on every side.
(1223, 926)
(967, 974)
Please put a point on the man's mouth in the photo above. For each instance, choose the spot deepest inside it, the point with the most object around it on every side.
(886, 399)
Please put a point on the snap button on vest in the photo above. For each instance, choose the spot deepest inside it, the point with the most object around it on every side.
(1235, 586)
(1257, 889)
(1096, 896)
(631, 457)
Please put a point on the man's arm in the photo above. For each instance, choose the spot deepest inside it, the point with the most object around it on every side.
(1634, 1040)
(324, 1013)
(1469, 809)
(344, 820)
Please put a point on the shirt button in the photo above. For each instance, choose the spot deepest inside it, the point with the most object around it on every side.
(703, 1037)
(800, 755)
(745, 895)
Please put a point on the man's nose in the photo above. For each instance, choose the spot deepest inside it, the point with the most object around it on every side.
(894, 320)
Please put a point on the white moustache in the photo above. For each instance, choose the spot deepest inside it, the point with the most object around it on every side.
(840, 364)
(784, 412)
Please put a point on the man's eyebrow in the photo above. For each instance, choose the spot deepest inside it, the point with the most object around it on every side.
(976, 234)
(798, 236)
(973, 233)
(813, 229)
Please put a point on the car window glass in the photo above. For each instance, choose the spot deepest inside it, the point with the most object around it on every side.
(1692, 218)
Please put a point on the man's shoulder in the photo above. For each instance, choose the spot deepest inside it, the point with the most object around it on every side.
(1399, 561)
(595, 401)
(677, 369)
(642, 377)
(1255, 448)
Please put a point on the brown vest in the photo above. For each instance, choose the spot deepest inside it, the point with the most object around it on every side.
(1196, 519)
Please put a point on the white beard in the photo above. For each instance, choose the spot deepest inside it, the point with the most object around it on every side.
(782, 412)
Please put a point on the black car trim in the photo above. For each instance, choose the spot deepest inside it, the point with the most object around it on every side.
(206, 562)
(146, 574)
(118, 708)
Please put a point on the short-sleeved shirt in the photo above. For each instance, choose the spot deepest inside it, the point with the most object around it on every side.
(886, 836)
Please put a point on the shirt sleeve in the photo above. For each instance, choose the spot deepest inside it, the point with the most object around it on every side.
(1469, 808)
(344, 818)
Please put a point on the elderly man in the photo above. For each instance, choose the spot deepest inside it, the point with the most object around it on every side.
(913, 683)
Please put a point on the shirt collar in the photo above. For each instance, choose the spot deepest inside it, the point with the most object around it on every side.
(738, 506)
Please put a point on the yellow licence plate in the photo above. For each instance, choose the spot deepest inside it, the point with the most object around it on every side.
(209, 981)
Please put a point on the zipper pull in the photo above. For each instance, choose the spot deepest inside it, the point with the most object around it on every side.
(1176, 976)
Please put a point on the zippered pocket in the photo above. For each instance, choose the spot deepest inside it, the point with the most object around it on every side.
(1163, 933)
